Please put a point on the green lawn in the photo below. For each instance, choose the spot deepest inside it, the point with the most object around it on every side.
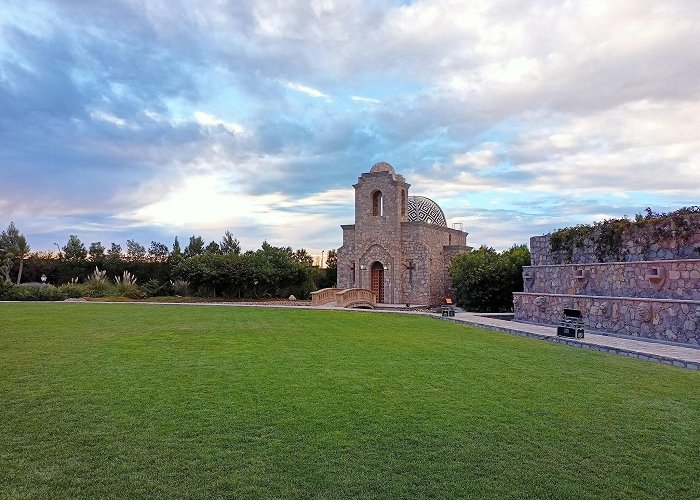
(134, 400)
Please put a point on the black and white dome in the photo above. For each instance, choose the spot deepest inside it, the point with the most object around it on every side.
(422, 209)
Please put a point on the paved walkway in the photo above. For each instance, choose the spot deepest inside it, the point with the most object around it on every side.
(670, 354)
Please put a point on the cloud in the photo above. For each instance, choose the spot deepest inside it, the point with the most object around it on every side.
(211, 121)
(109, 118)
(367, 100)
(306, 90)
(587, 109)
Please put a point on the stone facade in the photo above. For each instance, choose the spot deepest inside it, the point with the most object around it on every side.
(664, 279)
(409, 257)
(654, 293)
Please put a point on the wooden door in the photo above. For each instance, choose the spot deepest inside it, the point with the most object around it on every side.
(377, 281)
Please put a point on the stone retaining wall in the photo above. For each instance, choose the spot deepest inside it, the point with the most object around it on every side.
(665, 279)
(631, 251)
(664, 319)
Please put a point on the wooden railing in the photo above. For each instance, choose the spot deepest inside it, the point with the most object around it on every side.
(323, 296)
(355, 296)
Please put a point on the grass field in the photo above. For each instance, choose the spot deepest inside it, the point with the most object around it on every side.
(133, 400)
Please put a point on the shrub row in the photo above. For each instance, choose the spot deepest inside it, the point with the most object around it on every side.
(484, 280)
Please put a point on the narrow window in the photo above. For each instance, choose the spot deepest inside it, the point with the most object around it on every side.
(403, 202)
(377, 203)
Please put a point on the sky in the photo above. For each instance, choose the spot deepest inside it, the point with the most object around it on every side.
(145, 120)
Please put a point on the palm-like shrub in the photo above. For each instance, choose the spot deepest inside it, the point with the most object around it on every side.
(180, 287)
(126, 286)
(97, 284)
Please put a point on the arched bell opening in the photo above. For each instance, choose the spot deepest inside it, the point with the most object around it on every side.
(377, 203)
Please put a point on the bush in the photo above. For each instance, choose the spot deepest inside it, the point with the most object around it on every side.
(154, 288)
(30, 291)
(48, 292)
(72, 291)
(268, 272)
(484, 280)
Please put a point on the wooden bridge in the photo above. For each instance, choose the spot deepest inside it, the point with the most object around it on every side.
(344, 297)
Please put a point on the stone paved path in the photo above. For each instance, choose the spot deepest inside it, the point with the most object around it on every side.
(671, 354)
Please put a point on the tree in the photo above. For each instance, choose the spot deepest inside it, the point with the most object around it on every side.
(74, 249)
(96, 251)
(195, 246)
(332, 268)
(13, 245)
(9, 249)
(135, 251)
(22, 253)
(301, 256)
(115, 252)
(176, 247)
(213, 249)
(230, 245)
(176, 253)
(158, 251)
(332, 259)
(485, 280)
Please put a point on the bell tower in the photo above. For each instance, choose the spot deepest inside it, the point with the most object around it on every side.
(381, 198)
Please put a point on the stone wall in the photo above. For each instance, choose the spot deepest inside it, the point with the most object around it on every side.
(428, 247)
(661, 279)
(632, 250)
(652, 290)
(347, 262)
(664, 319)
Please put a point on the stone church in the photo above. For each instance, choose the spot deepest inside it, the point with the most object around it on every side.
(400, 246)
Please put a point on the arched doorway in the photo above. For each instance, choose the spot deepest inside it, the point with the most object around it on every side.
(377, 280)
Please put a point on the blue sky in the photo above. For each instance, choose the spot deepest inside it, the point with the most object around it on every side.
(146, 120)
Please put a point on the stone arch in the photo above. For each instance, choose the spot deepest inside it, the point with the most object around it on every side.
(377, 253)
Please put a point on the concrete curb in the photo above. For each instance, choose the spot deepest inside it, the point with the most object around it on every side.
(630, 353)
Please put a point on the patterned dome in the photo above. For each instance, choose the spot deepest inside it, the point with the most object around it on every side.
(382, 166)
(422, 209)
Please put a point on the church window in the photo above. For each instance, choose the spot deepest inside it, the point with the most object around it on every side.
(377, 203)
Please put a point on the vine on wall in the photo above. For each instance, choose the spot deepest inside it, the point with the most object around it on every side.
(608, 237)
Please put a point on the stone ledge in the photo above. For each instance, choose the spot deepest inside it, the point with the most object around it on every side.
(654, 358)
(616, 263)
(609, 297)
